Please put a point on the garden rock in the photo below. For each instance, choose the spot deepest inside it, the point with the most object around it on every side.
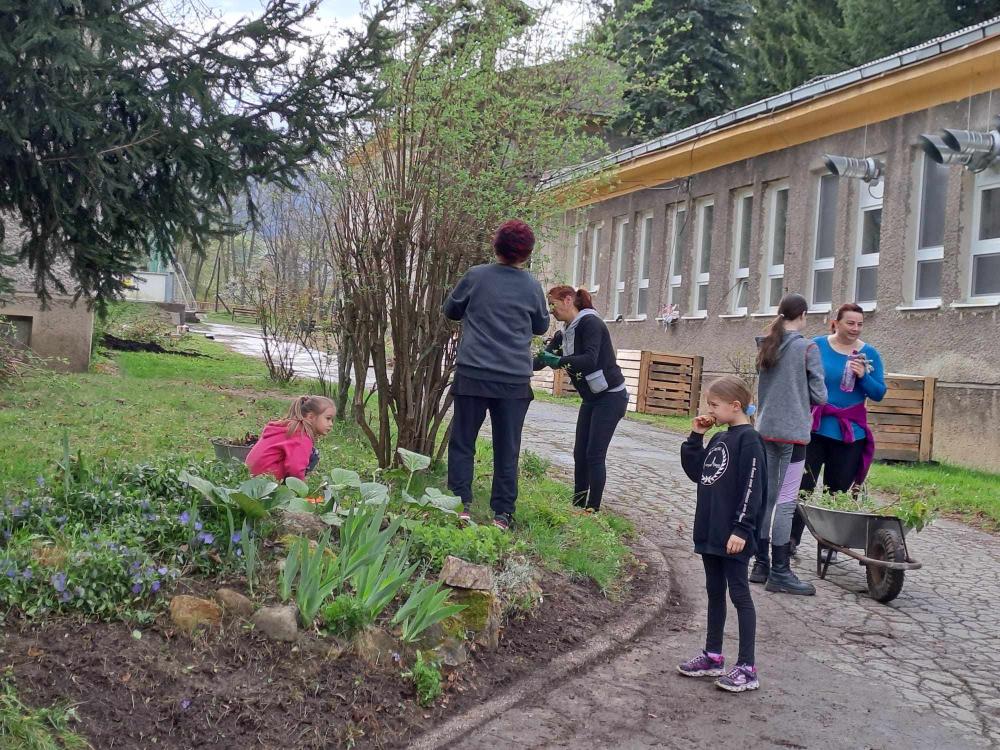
(300, 524)
(375, 647)
(482, 616)
(189, 613)
(277, 623)
(453, 652)
(234, 602)
(461, 574)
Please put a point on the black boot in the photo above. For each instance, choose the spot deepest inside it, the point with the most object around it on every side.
(761, 564)
(781, 579)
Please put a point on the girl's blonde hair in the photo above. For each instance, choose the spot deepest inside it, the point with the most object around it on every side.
(730, 388)
(302, 407)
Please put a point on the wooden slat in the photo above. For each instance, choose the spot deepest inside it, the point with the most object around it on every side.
(905, 383)
(666, 412)
(695, 386)
(640, 404)
(927, 423)
(672, 359)
(908, 429)
(907, 419)
(629, 355)
(896, 438)
(662, 385)
(672, 369)
(896, 403)
(904, 395)
(896, 455)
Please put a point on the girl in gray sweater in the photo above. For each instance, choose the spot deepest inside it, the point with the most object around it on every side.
(790, 382)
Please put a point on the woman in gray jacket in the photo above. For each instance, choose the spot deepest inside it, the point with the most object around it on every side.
(790, 382)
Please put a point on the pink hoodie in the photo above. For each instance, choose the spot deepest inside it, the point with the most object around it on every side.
(279, 455)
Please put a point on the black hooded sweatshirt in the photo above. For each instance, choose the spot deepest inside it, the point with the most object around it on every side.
(732, 482)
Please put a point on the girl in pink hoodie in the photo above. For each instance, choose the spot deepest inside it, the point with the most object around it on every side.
(286, 448)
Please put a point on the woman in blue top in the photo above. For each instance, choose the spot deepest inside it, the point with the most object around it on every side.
(841, 444)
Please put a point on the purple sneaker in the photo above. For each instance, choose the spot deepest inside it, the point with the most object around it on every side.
(740, 678)
(703, 665)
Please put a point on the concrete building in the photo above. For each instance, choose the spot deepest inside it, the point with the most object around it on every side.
(62, 333)
(722, 218)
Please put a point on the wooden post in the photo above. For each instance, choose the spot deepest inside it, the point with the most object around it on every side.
(927, 420)
(640, 397)
(696, 367)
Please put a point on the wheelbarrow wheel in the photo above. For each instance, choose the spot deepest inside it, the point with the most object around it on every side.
(884, 584)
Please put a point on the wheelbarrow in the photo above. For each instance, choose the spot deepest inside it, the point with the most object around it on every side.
(883, 539)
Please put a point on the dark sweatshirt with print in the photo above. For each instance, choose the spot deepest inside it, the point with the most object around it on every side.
(732, 481)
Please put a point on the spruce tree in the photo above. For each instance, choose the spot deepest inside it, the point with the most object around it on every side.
(123, 135)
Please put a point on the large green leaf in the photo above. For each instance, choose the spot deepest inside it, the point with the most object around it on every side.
(203, 486)
(441, 501)
(297, 486)
(344, 478)
(299, 505)
(251, 506)
(374, 492)
(258, 487)
(413, 461)
(332, 519)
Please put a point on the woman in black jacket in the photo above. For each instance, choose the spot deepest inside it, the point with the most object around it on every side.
(584, 349)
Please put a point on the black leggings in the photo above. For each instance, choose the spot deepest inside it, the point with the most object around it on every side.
(595, 427)
(837, 460)
(731, 571)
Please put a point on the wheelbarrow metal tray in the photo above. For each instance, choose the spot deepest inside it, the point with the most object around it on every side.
(844, 528)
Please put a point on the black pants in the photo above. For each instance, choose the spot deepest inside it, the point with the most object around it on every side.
(721, 572)
(838, 461)
(507, 419)
(595, 427)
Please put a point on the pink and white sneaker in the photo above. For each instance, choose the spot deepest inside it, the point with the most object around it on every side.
(739, 679)
(703, 665)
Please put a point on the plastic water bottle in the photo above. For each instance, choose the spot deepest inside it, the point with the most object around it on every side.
(848, 378)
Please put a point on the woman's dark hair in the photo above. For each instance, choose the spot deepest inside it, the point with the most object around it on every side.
(845, 308)
(791, 307)
(514, 241)
(581, 297)
(731, 388)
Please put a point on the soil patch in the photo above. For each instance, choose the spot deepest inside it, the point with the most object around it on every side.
(236, 689)
(127, 345)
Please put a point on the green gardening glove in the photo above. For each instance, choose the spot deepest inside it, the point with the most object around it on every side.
(550, 359)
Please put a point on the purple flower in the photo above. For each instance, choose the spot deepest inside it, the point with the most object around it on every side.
(135, 566)
(11, 572)
(59, 582)
(197, 526)
(206, 537)
(40, 481)
(185, 704)
(155, 586)
(27, 573)
(136, 588)
(239, 552)
(235, 538)
(184, 518)
(65, 596)
(162, 570)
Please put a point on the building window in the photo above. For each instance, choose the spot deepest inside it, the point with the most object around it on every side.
(869, 236)
(642, 267)
(824, 242)
(16, 329)
(578, 245)
(739, 287)
(595, 255)
(619, 229)
(930, 233)
(703, 256)
(776, 234)
(984, 282)
(679, 237)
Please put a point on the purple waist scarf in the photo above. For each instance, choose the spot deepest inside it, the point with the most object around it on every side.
(846, 417)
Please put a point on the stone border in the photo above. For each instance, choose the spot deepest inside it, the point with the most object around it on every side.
(604, 643)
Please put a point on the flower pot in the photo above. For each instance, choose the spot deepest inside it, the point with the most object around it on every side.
(226, 450)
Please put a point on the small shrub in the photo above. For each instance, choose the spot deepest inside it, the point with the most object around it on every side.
(28, 728)
(345, 616)
(426, 678)
(484, 545)
(533, 465)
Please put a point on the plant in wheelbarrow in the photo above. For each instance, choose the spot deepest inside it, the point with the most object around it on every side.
(234, 449)
(846, 522)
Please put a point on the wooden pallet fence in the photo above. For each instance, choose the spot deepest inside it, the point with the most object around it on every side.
(631, 362)
(903, 421)
(669, 384)
(544, 381)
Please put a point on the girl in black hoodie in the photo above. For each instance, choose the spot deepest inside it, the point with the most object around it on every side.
(732, 480)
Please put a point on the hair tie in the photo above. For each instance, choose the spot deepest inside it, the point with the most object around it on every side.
(751, 410)
(781, 315)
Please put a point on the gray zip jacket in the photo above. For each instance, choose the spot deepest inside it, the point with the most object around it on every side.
(787, 392)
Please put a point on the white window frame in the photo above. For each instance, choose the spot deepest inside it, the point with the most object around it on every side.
(773, 270)
(821, 264)
(644, 250)
(740, 274)
(921, 254)
(595, 255)
(701, 279)
(577, 252)
(870, 198)
(675, 277)
(988, 179)
(620, 231)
